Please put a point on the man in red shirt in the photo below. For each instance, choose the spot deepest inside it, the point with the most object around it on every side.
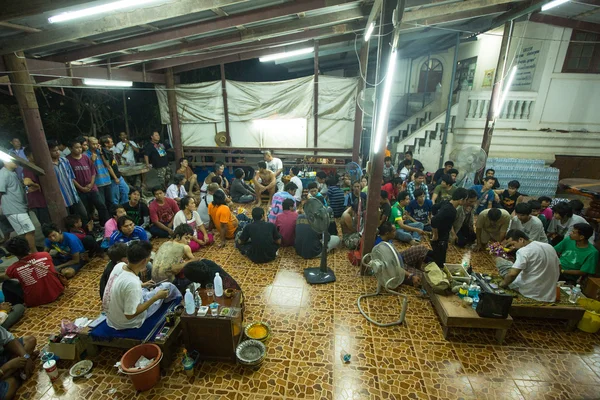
(393, 188)
(162, 211)
(286, 223)
(35, 272)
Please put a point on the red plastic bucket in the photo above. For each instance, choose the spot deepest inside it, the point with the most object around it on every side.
(142, 378)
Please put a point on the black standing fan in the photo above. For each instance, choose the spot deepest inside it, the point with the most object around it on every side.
(318, 219)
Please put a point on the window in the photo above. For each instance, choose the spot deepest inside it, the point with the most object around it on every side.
(582, 57)
(430, 75)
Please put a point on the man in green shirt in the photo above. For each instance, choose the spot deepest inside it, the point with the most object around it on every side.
(407, 232)
(577, 256)
(444, 190)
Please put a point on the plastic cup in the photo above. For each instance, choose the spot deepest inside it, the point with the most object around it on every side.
(188, 367)
(214, 309)
(51, 370)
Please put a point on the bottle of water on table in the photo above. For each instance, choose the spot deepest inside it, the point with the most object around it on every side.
(575, 294)
(190, 306)
(476, 297)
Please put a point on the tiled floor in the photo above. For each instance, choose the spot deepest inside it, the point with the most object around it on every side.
(313, 324)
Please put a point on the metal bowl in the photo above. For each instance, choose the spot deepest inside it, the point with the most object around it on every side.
(263, 324)
(251, 352)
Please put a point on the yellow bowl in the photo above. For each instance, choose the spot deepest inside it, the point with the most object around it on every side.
(258, 331)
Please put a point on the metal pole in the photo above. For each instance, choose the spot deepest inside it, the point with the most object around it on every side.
(125, 113)
(449, 107)
(225, 105)
(358, 114)
(316, 97)
(23, 90)
(172, 100)
(426, 79)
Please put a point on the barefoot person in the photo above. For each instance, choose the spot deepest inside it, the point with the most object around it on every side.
(264, 181)
(172, 256)
(16, 355)
(188, 215)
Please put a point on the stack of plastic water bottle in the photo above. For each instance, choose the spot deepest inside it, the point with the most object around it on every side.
(535, 178)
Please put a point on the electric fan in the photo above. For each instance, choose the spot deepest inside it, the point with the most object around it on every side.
(467, 160)
(318, 219)
(388, 268)
(354, 170)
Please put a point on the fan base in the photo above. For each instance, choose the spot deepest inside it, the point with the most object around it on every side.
(315, 276)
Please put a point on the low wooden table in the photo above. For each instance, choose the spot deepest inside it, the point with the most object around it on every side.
(454, 315)
(214, 338)
(572, 314)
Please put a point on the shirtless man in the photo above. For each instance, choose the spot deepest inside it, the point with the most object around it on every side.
(264, 181)
(219, 169)
(172, 256)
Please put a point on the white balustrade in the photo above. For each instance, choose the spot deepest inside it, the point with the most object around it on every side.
(518, 105)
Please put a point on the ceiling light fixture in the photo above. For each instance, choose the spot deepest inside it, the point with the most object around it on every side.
(553, 4)
(286, 54)
(105, 82)
(370, 29)
(103, 9)
(509, 82)
(385, 101)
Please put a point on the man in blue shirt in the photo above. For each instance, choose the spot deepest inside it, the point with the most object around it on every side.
(485, 194)
(103, 179)
(66, 249)
(419, 210)
(277, 202)
(127, 231)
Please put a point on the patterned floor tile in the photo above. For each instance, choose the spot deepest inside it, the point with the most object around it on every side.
(392, 332)
(215, 375)
(289, 279)
(523, 364)
(280, 345)
(446, 387)
(259, 277)
(351, 324)
(438, 357)
(395, 354)
(317, 299)
(534, 390)
(345, 302)
(311, 320)
(257, 294)
(351, 383)
(383, 304)
(285, 296)
(314, 347)
(494, 388)
(309, 381)
(269, 378)
(281, 318)
(479, 360)
(425, 327)
(360, 349)
(399, 385)
(115, 387)
(568, 368)
(201, 393)
(349, 284)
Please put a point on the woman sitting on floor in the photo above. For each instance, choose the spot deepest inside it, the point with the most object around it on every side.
(223, 219)
(188, 215)
(176, 191)
(191, 178)
(172, 256)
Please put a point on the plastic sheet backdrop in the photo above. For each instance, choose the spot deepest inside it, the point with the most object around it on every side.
(260, 112)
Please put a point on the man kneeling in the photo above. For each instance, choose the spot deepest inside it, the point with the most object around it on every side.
(127, 302)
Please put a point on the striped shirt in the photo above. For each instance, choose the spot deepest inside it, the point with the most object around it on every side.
(64, 174)
(102, 175)
(410, 188)
(336, 200)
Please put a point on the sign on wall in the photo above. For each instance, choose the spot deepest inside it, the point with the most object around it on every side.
(526, 60)
(488, 77)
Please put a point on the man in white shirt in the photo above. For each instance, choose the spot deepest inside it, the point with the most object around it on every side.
(535, 271)
(127, 302)
(276, 165)
(294, 174)
(127, 149)
(532, 226)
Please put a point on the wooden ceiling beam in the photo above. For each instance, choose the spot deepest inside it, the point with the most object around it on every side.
(199, 28)
(112, 22)
(18, 27)
(565, 23)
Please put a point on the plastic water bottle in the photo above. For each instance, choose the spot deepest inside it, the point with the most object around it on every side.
(475, 297)
(190, 307)
(218, 285)
(472, 290)
(575, 294)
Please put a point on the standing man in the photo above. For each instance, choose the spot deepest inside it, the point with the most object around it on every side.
(155, 157)
(120, 190)
(103, 181)
(17, 151)
(64, 174)
(14, 204)
(276, 165)
(441, 224)
(85, 182)
(127, 149)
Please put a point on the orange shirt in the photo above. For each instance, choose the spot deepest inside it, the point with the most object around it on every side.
(223, 215)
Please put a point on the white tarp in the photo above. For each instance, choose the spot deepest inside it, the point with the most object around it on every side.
(270, 114)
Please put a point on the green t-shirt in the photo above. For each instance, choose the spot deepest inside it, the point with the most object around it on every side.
(577, 258)
(545, 222)
(396, 215)
(443, 194)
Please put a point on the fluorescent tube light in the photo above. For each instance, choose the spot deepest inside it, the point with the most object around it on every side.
(505, 91)
(4, 157)
(553, 4)
(385, 101)
(287, 54)
(103, 9)
(370, 29)
(105, 82)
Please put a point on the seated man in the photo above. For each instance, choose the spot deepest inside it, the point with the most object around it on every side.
(308, 243)
(419, 210)
(68, 257)
(176, 190)
(203, 272)
(485, 195)
(127, 302)
(406, 231)
(535, 272)
(389, 171)
(259, 240)
(117, 253)
(74, 225)
(278, 198)
(463, 229)
(264, 181)
(172, 256)
(286, 223)
(110, 227)
(127, 231)
(385, 207)
(437, 177)
(321, 178)
(240, 191)
(16, 356)
(351, 231)
(577, 256)
(492, 225)
(444, 190)
(218, 173)
(532, 226)
(510, 197)
(562, 223)
(354, 195)
(162, 211)
(536, 211)
(221, 218)
(335, 196)
(138, 210)
(39, 283)
(392, 188)
(418, 183)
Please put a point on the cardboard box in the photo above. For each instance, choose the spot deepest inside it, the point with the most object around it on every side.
(67, 351)
(592, 288)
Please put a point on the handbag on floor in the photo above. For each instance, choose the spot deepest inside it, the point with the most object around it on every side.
(492, 305)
